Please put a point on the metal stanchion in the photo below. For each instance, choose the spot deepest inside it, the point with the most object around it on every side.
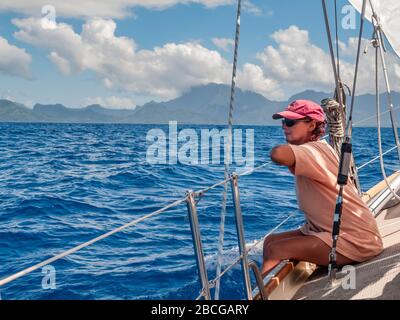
(240, 233)
(198, 249)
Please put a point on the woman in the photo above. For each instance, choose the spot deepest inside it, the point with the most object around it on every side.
(315, 165)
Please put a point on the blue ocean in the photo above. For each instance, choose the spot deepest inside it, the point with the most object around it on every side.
(64, 184)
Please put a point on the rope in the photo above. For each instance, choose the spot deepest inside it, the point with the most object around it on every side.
(218, 278)
(335, 123)
(376, 158)
(378, 120)
(380, 43)
(335, 71)
(228, 159)
(250, 171)
(353, 95)
(335, 116)
(202, 192)
(365, 119)
(271, 231)
(86, 244)
(374, 116)
(346, 146)
(339, 92)
(202, 294)
(346, 155)
(337, 41)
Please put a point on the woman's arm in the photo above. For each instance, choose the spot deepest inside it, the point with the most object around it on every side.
(283, 155)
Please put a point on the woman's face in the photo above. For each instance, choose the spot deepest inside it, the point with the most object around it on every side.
(300, 132)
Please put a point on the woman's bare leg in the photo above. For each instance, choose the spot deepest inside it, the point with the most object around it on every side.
(282, 235)
(302, 248)
(277, 237)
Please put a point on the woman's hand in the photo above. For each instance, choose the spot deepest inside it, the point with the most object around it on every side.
(283, 155)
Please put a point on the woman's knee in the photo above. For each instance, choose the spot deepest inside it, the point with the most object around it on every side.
(268, 241)
(272, 250)
(280, 236)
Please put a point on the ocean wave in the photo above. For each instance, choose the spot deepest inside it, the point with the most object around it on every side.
(64, 184)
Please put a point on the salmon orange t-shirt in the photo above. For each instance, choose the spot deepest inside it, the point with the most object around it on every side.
(316, 171)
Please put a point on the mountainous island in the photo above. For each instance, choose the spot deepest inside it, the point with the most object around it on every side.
(206, 104)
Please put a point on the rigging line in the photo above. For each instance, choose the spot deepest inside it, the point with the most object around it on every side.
(374, 116)
(342, 96)
(272, 231)
(378, 119)
(349, 123)
(332, 54)
(217, 278)
(212, 282)
(379, 38)
(202, 294)
(229, 144)
(250, 171)
(376, 158)
(366, 119)
(202, 192)
(372, 160)
(86, 244)
(337, 42)
(344, 164)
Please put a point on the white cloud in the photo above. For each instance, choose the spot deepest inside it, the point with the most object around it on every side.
(167, 71)
(112, 102)
(224, 43)
(62, 63)
(98, 8)
(163, 72)
(93, 49)
(14, 61)
(297, 64)
(366, 74)
(251, 8)
(292, 65)
(251, 77)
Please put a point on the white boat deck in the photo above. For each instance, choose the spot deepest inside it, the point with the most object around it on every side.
(378, 278)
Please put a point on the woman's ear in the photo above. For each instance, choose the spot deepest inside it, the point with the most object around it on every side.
(312, 126)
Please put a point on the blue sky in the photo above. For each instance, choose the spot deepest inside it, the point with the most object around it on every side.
(134, 51)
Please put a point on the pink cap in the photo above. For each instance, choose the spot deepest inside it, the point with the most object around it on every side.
(299, 109)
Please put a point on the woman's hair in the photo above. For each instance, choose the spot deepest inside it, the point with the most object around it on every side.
(319, 130)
